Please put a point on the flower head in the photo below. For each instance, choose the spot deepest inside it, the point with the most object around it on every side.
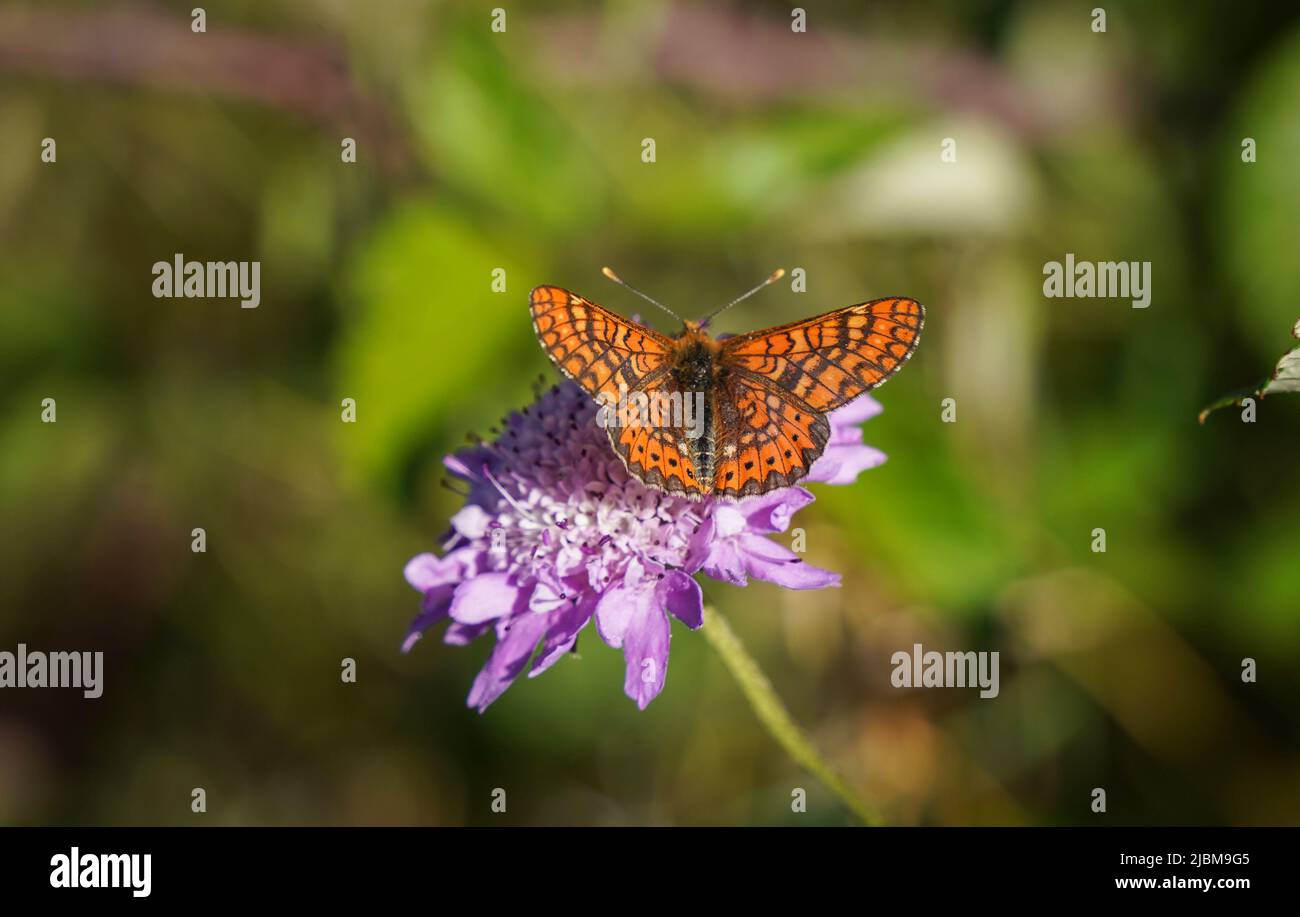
(555, 533)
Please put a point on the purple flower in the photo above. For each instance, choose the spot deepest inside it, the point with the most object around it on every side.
(555, 533)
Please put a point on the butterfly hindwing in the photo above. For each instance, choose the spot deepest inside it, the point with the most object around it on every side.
(658, 455)
(763, 438)
(827, 361)
(594, 347)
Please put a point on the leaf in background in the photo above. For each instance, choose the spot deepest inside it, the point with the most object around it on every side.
(1285, 378)
(428, 336)
(485, 131)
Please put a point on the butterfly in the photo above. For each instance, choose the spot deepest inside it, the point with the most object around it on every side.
(762, 397)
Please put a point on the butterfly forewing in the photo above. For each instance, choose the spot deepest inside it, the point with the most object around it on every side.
(827, 361)
(594, 347)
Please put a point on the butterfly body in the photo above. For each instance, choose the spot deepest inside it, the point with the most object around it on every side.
(695, 368)
(760, 399)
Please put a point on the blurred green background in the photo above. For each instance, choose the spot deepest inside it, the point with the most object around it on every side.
(522, 150)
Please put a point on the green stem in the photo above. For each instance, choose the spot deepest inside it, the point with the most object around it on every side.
(773, 714)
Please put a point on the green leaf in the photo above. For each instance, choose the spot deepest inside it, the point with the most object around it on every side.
(426, 343)
(1285, 378)
(1233, 397)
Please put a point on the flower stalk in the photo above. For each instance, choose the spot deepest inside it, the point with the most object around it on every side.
(772, 713)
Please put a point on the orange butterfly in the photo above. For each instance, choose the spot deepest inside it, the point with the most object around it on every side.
(763, 396)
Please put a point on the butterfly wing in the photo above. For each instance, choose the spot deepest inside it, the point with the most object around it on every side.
(829, 360)
(601, 351)
(771, 423)
(659, 454)
(764, 438)
(594, 347)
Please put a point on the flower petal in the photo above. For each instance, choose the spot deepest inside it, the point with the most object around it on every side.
(457, 466)
(724, 562)
(458, 634)
(616, 610)
(697, 547)
(772, 511)
(636, 574)
(433, 607)
(645, 650)
(508, 659)
(683, 598)
(842, 464)
(727, 521)
(552, 593)
(485, 597)
(471, 521)
(767, 560)
(562, 635)
(857, 411)
(424, 571)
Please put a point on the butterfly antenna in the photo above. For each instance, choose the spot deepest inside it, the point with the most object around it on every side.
(772, 278)
(623, 283)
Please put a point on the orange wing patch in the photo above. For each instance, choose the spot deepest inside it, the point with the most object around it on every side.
(766, 439)
(594, 347)
(827, 361)
(659, 457)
